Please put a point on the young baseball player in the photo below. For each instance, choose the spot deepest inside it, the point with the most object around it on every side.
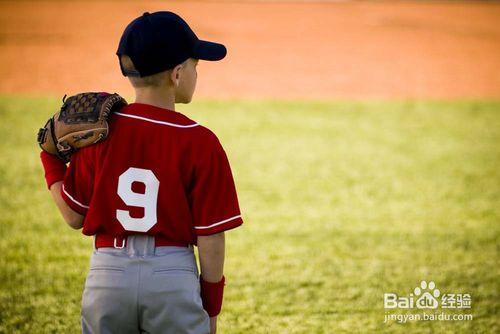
(159, 184)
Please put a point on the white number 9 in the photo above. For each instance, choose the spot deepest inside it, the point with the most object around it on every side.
(148, 200)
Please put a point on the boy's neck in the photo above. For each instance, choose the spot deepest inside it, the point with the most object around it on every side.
(161, 98)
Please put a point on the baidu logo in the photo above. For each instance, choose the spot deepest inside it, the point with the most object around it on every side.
(427, 296)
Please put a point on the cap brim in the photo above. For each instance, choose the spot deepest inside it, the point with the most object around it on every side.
(205, 50)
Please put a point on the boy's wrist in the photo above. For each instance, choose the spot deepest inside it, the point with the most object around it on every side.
(211, 295)
(54, 168)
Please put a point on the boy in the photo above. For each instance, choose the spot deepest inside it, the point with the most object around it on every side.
(159, 184)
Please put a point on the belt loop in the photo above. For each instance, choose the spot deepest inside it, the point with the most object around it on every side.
(122, 243)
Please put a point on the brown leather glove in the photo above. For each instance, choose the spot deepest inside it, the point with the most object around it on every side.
(82, 121)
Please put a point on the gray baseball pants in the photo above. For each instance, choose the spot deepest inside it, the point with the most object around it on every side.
(143, 289)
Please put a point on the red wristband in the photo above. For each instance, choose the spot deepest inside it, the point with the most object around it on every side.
(54, 168)
(211, 295)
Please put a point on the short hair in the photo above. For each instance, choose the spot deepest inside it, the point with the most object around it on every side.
(154, 80)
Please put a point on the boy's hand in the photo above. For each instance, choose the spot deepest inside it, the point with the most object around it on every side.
(213, 325)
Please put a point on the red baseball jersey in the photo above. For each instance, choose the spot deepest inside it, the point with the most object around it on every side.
(157, 173)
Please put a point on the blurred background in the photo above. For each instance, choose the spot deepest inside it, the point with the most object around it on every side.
(363, 137)
(318, 49)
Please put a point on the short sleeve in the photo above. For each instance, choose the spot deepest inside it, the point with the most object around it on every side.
(213, 198)
(78, 183)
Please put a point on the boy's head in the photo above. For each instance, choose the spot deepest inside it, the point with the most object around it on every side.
(160, 50)
(181, 80)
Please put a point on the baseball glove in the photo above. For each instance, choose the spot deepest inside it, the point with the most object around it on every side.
(82, 121)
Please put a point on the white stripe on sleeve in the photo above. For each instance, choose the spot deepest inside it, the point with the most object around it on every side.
(72, 199)
(219, 223)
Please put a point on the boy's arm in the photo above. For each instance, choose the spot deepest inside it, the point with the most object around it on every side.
(214, 205)
(211, 252)
(72, 218)
(55, 170)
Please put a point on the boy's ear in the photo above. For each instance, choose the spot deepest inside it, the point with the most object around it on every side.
(175, 74)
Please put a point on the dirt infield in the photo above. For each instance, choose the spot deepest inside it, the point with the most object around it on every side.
(276, 49)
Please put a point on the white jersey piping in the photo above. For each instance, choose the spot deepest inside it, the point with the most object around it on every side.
(219, 223)
(74, 200)
(157, 122)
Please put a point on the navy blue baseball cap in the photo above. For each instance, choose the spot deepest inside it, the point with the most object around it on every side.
(156, 42)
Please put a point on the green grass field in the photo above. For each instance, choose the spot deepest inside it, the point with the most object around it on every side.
(342, 202)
